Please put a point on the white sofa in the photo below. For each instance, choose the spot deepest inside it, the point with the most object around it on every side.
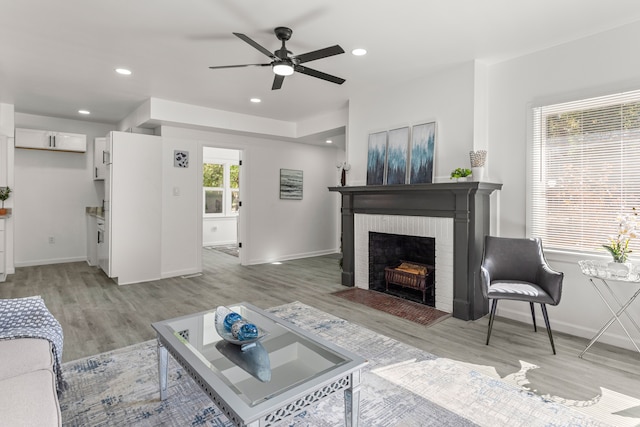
(28, 384)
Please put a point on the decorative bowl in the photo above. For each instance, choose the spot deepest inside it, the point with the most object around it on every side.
(221, 313)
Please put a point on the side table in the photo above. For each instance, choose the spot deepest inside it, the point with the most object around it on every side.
(600, 273)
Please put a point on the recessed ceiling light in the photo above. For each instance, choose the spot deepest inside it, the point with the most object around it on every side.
(359, 52)
(123, 71)
(255, 100)
(86, 112)
(276, 263)
(328, 141)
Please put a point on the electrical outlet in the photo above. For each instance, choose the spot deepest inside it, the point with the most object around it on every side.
(52, 240)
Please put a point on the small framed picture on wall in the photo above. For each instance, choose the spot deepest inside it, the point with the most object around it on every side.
(290, 184)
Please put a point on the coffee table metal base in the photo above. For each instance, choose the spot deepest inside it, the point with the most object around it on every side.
(350, 383)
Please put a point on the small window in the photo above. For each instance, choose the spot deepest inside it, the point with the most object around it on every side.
(221, 188)
(213, 201)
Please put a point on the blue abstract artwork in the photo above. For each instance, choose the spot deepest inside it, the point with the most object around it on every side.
(397, 155)
(422, 153)
(376, 158)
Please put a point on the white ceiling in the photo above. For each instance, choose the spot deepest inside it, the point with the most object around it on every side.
(59, 56)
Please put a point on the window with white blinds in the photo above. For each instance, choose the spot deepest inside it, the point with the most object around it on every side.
(585, 171)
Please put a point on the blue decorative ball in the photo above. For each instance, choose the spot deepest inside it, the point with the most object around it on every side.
(247, 331)
(230, 319)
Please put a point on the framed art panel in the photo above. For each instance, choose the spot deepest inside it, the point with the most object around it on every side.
(423, 142)
(397, 156)
(376, 158)
(290, 184)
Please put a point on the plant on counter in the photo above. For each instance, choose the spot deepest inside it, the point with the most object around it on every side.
(460, 173)
(4, 195)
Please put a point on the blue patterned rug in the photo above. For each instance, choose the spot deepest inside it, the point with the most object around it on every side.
(402, 386)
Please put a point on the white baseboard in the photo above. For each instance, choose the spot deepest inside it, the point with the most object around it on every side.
(36, 262)
(614, 339)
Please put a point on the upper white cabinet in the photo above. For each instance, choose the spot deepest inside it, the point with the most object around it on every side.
(99, 158)
(50, 140)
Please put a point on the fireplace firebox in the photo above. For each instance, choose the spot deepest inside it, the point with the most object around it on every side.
(387, 252)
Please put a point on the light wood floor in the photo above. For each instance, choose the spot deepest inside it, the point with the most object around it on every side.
(97, 315)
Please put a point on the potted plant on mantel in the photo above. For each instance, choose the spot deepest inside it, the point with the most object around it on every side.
(4, 195)
(461, 174)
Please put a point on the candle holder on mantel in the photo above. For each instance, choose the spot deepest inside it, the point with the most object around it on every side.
(343, 167)
(478, 159)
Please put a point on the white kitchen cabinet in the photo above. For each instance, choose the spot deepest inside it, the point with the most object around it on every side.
(132, 208)
(3, 268)
(50, 140)
(99, 158)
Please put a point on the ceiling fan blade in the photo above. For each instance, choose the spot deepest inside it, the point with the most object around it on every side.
(277, 82)
(255, 45)
(318, 54)
(319, 74)
(239, 66)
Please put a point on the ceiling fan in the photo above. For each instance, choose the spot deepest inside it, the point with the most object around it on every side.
(284, 63)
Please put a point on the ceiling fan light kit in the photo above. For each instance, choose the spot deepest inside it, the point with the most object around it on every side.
(284, 63)
(283, 69)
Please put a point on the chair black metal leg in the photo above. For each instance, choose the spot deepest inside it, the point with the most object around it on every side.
(494, 304)
(533, 316)
(546, 321)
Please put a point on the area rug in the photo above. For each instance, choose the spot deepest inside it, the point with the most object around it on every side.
(418, 313)
(120, 388)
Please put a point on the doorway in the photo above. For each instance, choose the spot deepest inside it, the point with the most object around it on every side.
(221, 201)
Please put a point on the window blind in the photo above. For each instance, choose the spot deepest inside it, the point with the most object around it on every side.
(585, 171)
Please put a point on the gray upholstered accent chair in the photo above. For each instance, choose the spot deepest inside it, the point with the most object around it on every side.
(515, 269)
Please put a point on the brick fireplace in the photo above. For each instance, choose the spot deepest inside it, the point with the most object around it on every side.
(396, 262)
(441, 229)
(457, 215)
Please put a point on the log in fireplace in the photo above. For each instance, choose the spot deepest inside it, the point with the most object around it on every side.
(468, 204)
(413, 276)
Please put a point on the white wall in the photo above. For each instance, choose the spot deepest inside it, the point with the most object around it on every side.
(474, 101)
(52, 190)
(7, 151)
(220, 230)
(274, 229)
(596, 65)
(180, 216)
(446, 97)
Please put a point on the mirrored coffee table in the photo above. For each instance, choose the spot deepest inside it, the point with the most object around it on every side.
(284, 374)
